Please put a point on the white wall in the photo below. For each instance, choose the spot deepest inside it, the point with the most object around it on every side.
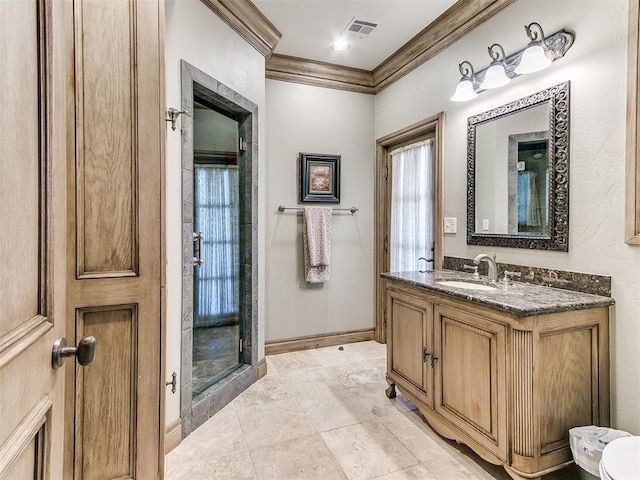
(596, 67)
(198, 36)
(302, 118)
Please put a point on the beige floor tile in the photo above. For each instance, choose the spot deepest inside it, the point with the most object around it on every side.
(367, 450)
(237, 466)
(218, 436)
(418, 472)
(273, 422)
(423, 447)
(271, 368)
(358, 373)
(316, 379)
(368, 349)
(332, 356)
(449, 470)
(294, 360)
(304, 458)
(267, 389)
(328, 410)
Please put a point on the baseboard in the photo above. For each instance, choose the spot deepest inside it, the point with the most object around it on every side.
(317, 341)
(172, 436)
(262, 368)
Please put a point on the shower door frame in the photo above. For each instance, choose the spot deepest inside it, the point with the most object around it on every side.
(195, 411)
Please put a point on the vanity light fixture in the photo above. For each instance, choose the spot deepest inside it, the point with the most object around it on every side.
(537, 55)
(465, 90)
(496, 76)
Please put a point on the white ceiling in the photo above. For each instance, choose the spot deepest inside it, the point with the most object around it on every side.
(309, 26)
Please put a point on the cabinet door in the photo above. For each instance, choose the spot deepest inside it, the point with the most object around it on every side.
(409, 342)
(470, 386)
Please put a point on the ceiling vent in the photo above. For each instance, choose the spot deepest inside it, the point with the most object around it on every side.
(360, 28)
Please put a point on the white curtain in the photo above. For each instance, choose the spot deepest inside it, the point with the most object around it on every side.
(216, 283)
(412, 207)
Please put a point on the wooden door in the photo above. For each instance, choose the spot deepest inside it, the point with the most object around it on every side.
(470, 376)
(409, 342)
(32, 237)
(431, 127)
(114, 254)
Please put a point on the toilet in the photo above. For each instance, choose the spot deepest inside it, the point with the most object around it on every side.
(621, 459)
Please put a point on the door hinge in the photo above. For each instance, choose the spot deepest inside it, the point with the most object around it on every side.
(386, 172)
(384, 315)
(242, 144)
(243, 344)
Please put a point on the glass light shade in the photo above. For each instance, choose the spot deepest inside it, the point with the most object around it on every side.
(464, 91)
(533, 60)
(494, 77)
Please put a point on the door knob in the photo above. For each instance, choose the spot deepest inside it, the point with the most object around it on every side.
(85, 352)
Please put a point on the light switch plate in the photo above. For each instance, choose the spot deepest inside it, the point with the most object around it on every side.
(451, 225)
(485, 224)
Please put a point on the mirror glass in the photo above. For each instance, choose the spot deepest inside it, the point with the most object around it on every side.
(518, 172)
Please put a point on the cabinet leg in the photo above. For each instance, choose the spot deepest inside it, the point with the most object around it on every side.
(391, 391)
(516, 475)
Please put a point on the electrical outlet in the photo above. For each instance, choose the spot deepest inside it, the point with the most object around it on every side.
(485, 224)
(451, 225)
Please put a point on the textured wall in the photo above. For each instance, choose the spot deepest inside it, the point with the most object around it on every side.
(308, 119)
(596, 67)
(198, 36)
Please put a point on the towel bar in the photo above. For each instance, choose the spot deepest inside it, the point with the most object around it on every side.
(353, 210)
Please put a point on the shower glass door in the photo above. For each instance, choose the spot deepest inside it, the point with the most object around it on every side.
(216, 279)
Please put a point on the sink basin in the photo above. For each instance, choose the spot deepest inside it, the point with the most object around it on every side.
(466, 285)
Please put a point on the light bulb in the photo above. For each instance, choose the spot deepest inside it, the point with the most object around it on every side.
(340, 44)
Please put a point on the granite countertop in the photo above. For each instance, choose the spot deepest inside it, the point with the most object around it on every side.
(522, 299)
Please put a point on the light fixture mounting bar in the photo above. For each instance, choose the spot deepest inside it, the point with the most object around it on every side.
(556, 44)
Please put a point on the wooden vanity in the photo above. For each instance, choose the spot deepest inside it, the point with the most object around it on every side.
(507, 372)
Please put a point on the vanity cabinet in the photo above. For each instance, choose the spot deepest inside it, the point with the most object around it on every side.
(509, 386)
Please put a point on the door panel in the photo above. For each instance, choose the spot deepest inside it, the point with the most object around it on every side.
(106, 157)
(471, 376)
(114, 262)
(32, 246)
(106, 390)
(21, 164)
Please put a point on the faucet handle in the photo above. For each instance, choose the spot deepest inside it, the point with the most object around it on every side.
(508, 277)
(472, 268)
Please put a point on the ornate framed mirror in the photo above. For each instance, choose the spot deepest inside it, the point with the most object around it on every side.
(518, 173)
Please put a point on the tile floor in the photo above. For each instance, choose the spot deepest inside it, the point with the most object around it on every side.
(323, 414)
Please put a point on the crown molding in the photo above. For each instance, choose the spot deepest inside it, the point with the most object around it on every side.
(453, 24)
(457, 21)
(318, 74)
(249, 22)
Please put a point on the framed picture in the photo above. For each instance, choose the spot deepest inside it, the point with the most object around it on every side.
(319, 178)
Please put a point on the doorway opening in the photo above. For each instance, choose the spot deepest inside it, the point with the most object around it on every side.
(219, 225)
(409, 205)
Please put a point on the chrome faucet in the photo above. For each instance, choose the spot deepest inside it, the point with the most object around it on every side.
(491, 260)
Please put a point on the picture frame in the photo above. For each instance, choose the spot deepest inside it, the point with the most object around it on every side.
(319, 178)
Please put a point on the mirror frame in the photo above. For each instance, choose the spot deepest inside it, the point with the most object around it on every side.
(558, 237)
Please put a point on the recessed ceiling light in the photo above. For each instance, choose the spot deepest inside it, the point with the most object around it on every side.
(340, 44)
